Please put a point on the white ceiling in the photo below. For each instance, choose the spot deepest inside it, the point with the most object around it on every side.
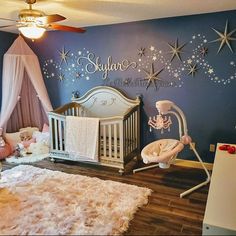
(82, 13)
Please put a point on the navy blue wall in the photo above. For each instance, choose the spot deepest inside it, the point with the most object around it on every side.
(6, 39)
(207, 98)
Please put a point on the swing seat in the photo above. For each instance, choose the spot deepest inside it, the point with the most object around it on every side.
(163, 151)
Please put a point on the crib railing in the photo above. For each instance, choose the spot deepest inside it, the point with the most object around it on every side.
(118, 136)
(131, 129)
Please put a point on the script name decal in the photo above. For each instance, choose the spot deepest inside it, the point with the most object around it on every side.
(94, 64)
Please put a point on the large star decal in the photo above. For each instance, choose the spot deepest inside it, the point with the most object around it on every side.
(64, 55)
(193, 69)
(224, 38)
(152, 76)
(176, 50)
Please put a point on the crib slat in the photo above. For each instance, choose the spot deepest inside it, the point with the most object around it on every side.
(136, 129)
(122, 139)
(51, 120)
(77, 111)
(56, 134)
(133, 136)
(115, 140)
(109, 137)
(127, 137)
(60, 135)
(104, 141)
(130, 133)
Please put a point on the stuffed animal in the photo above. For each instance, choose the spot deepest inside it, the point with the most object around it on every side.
(19, 150)
(38, 148)
(24, 136)
(2, 141)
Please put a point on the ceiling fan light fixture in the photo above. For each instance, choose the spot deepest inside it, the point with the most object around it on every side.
(32, 32)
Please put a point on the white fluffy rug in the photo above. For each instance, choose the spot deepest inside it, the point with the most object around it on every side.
(40, 201)
(27, 159)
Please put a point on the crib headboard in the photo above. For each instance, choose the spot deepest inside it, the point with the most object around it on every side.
(104, 101)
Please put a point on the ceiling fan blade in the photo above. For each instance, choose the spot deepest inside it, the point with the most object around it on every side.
(7, 19)
(67, 28)
(50, 18)
(5, 26)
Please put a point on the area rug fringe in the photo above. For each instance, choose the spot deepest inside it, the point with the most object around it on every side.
(27, 159)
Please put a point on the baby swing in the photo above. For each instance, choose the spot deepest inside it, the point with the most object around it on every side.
(164, 151)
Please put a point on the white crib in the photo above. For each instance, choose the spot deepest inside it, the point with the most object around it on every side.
(119, 126)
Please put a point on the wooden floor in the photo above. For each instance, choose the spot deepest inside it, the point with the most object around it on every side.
(166, 213)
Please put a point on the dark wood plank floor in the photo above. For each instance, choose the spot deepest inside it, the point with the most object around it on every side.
(166, 213)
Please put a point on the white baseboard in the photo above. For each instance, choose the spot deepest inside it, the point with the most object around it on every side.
(193, 164)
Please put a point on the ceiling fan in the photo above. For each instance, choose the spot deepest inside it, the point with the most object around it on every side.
(33, 23)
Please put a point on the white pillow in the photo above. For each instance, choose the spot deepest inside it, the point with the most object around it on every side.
(38, 148)
(13, 139)
(42, 137)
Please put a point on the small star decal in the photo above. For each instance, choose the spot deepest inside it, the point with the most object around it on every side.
(224, 38)
(61, 77)
(176, 50)
(154, 58)
(141, 52)
(203, 51)
(192, 69)
(152, 76)
(210, 71)
(189, 61)
(176, 75)
(64, 55)
(152, 48)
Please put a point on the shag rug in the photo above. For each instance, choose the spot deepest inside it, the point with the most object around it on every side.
(27, 159)
(40, 201)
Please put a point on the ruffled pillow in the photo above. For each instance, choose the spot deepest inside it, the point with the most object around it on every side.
(30, 130)
(45, 128)
(12, 139)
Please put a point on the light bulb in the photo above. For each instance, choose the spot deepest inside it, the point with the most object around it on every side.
(32, 32)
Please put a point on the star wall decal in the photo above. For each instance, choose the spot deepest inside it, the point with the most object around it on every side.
(192, 69)
(64, 55)
(176, 50)
(141, 52)
(152, 76)
(61, 77)
(224, 38)
(77, 75)
(203, 51)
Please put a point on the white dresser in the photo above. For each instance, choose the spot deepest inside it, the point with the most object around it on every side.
(220, 213)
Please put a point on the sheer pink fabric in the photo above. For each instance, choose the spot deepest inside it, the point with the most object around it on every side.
(25, 99)
(30, 115)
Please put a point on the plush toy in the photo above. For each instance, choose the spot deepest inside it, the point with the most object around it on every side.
(38, 148)
(19, 150)
(2, 141)
(24, 136)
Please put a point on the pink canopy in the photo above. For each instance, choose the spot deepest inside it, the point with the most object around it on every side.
(25, 101)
